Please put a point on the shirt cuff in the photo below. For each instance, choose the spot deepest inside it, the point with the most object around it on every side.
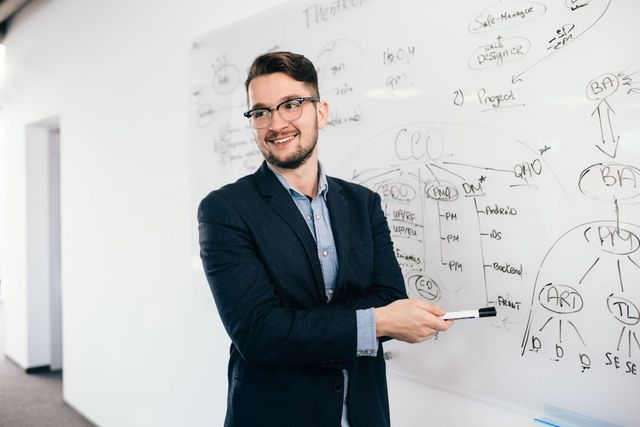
(367, 341)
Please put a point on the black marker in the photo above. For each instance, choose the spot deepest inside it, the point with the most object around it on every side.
(470, 314)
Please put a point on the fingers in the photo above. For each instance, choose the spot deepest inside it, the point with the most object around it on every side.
(425, 336)
(410, 320)
(434, 315)
(430, 307)
(438, 324)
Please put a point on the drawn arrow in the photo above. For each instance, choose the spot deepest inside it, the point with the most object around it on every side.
(609, 144)
(627, 79)
(503, 323)
(359, 174)
(517, 77)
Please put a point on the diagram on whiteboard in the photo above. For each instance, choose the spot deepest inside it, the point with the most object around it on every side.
(558, 310)
(502, 138)
(455, 218)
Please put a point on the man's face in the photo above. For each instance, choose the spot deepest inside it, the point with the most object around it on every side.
(286, 144)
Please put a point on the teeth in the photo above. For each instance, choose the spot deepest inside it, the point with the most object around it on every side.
(282, 140)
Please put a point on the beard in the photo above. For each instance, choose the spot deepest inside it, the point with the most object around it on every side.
(298, 158)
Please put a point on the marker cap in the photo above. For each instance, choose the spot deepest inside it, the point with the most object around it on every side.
(487, 312)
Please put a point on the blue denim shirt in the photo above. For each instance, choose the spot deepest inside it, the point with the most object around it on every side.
(316, 215)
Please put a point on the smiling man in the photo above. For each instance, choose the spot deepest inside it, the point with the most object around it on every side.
(302, 270)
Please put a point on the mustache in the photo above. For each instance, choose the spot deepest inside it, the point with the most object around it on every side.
(280, 134)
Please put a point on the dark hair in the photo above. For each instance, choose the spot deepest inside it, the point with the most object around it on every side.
(293, 65)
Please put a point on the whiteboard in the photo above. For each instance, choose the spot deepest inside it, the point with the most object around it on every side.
(504, 140)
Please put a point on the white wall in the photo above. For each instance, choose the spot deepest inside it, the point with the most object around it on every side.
(140, 346)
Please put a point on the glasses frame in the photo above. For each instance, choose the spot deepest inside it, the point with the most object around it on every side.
(301, 100)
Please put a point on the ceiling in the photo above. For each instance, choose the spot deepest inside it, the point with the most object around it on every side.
(8, 9)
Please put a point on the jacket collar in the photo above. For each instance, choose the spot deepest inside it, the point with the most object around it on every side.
(279, 199)
(281, 202)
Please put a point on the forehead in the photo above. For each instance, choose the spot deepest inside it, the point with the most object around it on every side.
(270, 89)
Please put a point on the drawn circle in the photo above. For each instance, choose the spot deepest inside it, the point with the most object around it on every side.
(441, 191)
(602, 86)
(561, 299)
(395, 190)
(611, 182)
(423, 286)
(623, 310)
(339, 65)
(485, 21)
(504, 52)
(225, 79)
(611, 238)
(338, 61)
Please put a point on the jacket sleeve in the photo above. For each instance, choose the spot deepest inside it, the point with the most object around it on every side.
(263, 331)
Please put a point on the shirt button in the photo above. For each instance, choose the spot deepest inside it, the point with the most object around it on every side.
(317, 216)
(325, 253)
(330, 291)
(308, 216)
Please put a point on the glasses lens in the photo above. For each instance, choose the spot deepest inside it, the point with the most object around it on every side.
(260, 118)
(290, 110)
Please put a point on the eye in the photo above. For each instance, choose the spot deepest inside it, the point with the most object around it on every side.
(258, 114)
(290, 105)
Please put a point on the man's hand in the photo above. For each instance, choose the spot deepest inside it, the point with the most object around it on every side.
(410, 320)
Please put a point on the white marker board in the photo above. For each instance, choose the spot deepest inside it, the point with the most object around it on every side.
(504, 140)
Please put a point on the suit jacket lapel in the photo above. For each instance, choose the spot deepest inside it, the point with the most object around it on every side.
(340, 226)
(280, 201)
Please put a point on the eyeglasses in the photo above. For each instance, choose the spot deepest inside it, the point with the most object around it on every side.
(289, 110)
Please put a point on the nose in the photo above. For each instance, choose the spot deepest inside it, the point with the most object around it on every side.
(277, 122)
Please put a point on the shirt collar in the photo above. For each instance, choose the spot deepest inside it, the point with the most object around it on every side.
(323, 184)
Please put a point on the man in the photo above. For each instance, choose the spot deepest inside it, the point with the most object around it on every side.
(303, 272)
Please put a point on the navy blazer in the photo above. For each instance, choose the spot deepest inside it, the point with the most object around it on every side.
(289, 345)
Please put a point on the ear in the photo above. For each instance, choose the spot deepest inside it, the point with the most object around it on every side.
(322, 111)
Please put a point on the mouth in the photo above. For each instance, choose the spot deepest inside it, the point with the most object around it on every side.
(281, 140)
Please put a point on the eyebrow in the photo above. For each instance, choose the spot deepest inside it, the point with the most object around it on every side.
(281, 100)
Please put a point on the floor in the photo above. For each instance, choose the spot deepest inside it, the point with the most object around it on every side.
(33, 400)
